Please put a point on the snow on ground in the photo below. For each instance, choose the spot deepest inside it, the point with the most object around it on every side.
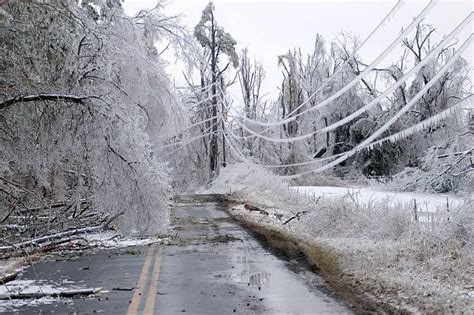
(32, 287)
(10, 266)
(14, 305)
(110, 239)
(424, 202)
(27, 287)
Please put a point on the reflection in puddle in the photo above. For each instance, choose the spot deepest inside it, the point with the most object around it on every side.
(243, 260)
(258, 279)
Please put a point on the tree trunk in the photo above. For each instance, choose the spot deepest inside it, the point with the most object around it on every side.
(214, 150)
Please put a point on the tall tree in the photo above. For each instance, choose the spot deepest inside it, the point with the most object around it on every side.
(215, 42)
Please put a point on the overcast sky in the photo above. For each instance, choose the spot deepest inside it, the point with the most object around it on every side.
(271, 28)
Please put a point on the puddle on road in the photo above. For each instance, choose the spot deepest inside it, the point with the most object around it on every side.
(224, 239)
(257, 279)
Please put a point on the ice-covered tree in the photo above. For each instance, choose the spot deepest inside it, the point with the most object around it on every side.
(83, 104)
(251, 76)
(215, 42)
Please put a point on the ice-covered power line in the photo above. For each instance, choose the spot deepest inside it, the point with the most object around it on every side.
(196, 88)
(465, 103)
(313, 161)
(237, 152)
(228, 132)
(184, 141)
(194, 125)
(388, 17)
(375, 101)
(392, 120)
(356, 80)
(203, 101)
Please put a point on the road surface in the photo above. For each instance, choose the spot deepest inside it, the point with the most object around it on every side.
(212, 266)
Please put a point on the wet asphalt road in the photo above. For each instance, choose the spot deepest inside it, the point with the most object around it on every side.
(213, 266)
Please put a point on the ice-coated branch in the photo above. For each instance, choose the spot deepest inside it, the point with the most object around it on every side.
(44, 97)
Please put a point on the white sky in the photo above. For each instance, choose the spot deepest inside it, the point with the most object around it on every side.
(271, 28)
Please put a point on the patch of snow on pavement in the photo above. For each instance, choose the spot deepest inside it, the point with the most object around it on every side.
(12, 305)
(30, 287)
(111, 239)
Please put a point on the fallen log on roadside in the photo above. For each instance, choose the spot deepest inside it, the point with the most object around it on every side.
(253, 208)
(44, 239)
(40, 294)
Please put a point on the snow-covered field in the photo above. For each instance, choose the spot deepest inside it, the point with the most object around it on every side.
(424, 202)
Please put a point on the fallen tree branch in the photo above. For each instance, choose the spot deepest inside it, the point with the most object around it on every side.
(43, 239)
(112, 218)
(44, 97)
(253, 208)
(59, 205)
(296, 216)
(9, 212)
(25, 190)
(37, 295)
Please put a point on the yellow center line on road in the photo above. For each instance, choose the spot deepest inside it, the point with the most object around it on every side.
(133, 307)
(152, 291)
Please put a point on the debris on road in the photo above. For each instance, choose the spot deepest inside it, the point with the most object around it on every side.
(123, 289)
(32, 289)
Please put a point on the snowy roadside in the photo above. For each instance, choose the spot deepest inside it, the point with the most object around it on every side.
(382, 249)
